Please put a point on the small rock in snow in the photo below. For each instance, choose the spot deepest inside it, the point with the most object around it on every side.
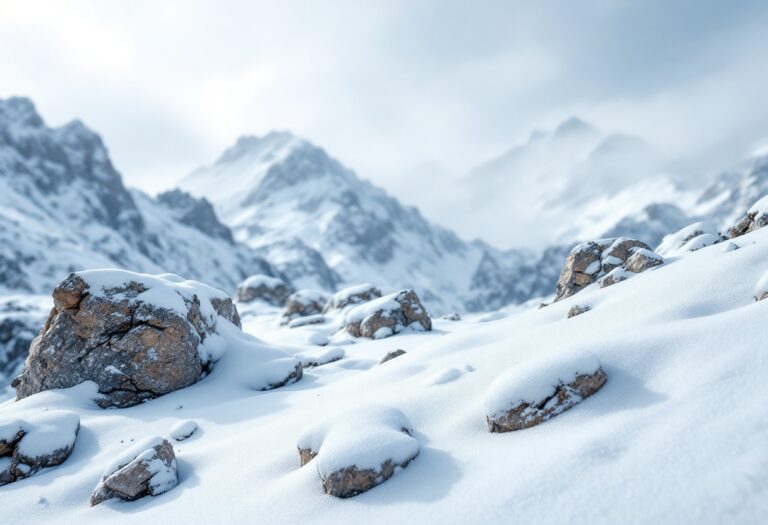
(362, 293)
(391, 355)
(302, 304)
(306, 321)
(323, 356)
(388, 315)
(265, 288)
(455, 316)
(183, 429)
(577, 310)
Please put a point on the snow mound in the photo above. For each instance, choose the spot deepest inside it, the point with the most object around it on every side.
(540, 389)
(319, 357)
(444, 376)
(689, 239)
(360, 449)
(183, 429)
(352, 295)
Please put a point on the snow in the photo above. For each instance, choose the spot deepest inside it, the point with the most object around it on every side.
(183, 429)
(48, 432)
(444, 376)
(680, 419)
(536, 380)
(386, 303)
(316, 338)
(320, 356)
(365, 437)
(688, 239)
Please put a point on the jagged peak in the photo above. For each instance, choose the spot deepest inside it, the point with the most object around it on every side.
(252, 145)
(573, 126)
(20, 111)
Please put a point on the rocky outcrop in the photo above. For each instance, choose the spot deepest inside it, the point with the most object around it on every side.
(535, 392)
(36, 442)
(361, 293)
(388, 315)
(391, 355)
(642, 260)
(136, 336)
(148, 469)
(265, 288)
(196, 213)
(303, 304)
(592, 260)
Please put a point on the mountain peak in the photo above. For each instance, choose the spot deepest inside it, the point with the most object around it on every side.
(573, 126)
(20, 111)
(252, 145)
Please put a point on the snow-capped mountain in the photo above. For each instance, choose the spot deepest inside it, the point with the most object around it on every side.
(571, 183)
(321, 225)
(64, 207)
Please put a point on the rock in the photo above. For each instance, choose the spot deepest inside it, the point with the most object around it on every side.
(261, 287)
(590, 261)
(455, 316)
(319, 357)
(577, 310)
(147, 469)
(614, 276)
(306, 321)
(642, 260)
(302, 304)
(136, 336)
(183, 430)
(534, 392)
(689, 239)
(359, 450)
(388, 315)
(362, 293)
(391, 355)
(36, 442)
(756, 217)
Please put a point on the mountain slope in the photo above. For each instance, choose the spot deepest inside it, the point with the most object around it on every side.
(285, 197)
(64, 207)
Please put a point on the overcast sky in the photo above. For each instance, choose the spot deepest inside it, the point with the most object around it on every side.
(394, 89)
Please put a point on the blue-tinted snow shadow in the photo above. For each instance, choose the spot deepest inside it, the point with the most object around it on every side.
(622, 391)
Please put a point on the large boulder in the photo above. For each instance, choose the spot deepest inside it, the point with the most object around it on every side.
(591, 260)
(35, 442)
(136, 336)
(359, 450)
(388, 315)
(534, 392)
(146, 469)
(362, 293)
(303, 304)
(261, 287)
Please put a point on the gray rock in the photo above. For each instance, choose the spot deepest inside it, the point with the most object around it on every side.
(350, 296)
(303, 304)
(271, 290)
(388, 315)
(391, 355)
(150, 471)
(577, 310)
(642, 260)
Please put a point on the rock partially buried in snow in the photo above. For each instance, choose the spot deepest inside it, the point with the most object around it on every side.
(391, 355)
(302, 304)
(306, 321)
(642, 260)
(359, 450)
(388, 315)
(362, 293)
(36, 442)
(455, 316)
(317, 339)
(536, 391)
(578, 310)
(313, 358)
(756, 218)
(146, 469)
(689, 239)
(265, 288)
(183, 430)
(136, 336)
(592, 260)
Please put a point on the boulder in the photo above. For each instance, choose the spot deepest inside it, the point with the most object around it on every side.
(614, 276)
(642, 260)
(590, 261)
(303, 304)
(534, 392)
(136, 336)
(755, 218)
(388, 315)
(577, 310)
(359, 450)
(391, 355)
(35, 442)
(362, 293)
(270, 290)
(146, 469)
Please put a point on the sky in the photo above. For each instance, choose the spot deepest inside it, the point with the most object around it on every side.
(410, 94)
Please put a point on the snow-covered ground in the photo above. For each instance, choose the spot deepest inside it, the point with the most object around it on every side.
(677, 435)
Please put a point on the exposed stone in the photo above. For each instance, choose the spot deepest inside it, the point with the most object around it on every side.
(577, 310)
(133, 349)
(306, 321)
(455, 316)
(388, 315)
(351, 481)
(565, 396)
(391, 355)
(755, 218)
(642, 260)
(302, 304)
(616, 275)
(146, 470)
(361, 293)
(591, 260)
(260, 287)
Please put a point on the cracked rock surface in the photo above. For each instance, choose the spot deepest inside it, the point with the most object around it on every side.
(138, 337)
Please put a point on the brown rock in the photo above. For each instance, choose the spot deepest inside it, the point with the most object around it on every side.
(271, 290)
(642, 260)
(302, 304)
(353, 295)
(352, 481)
(565, 396)
(388, 315)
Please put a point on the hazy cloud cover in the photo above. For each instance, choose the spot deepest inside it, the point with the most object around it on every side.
(404, 92)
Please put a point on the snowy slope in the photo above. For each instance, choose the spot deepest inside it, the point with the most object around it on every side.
(64, 207)
(320, 224)
(677, 435)
(569, 184)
